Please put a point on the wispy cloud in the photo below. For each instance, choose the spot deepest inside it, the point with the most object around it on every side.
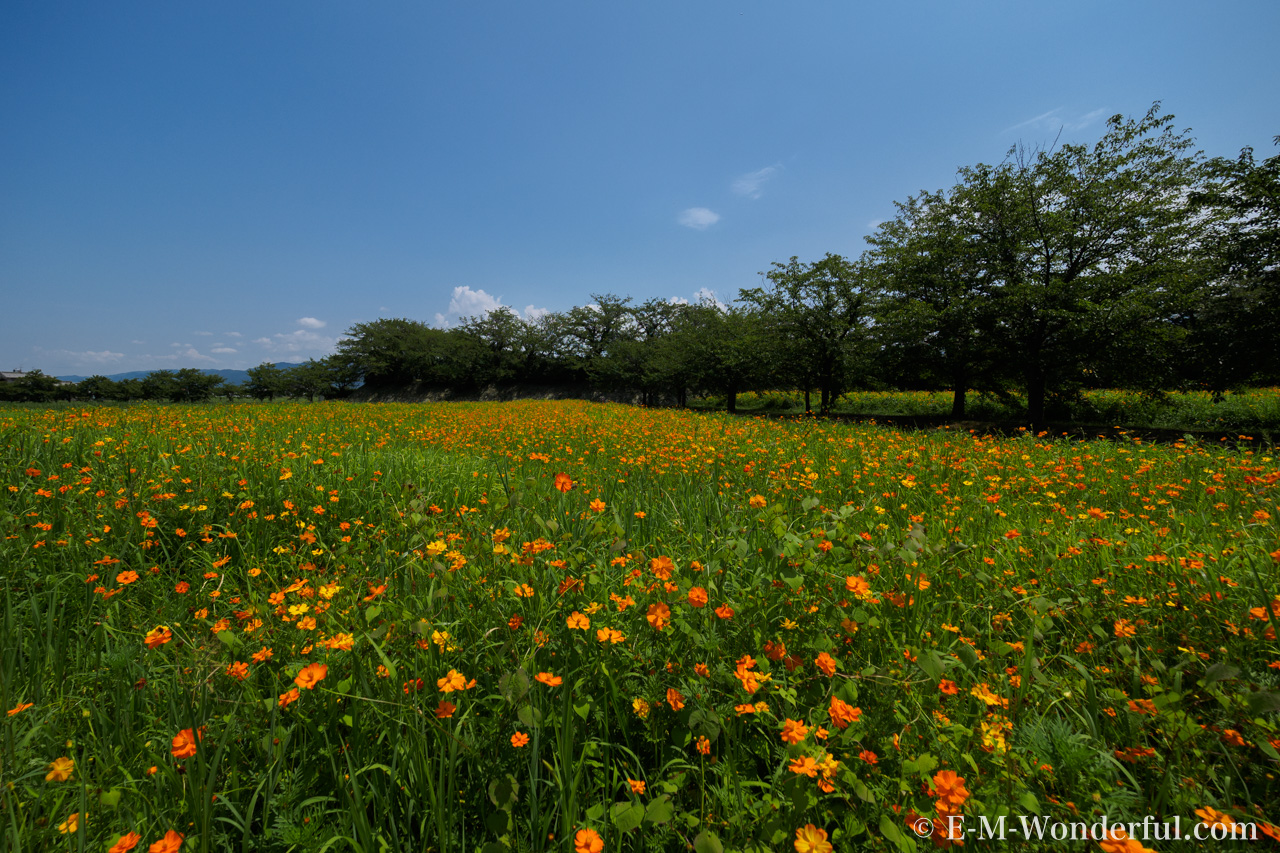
(234, 335)
(223, 350)
(81, 357)
(698, 218)
(304, 341)
(534, 314)
(205, 334)
(1057, 119)
(749, 185)
(311, 323)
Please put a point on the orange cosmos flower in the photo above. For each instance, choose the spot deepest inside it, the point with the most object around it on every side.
(794, 731)
(948, 687)
(564, 483)
(184, 744)
(662, 567)
(238, 670)
(842, 713)
(19, 708)
(724, 611)
(698, 597)
(577, 621)
(1125, 628)
(311, 675)
(125, 578)
(549, 679)
(675, 699)
(757, 502)
(810, 839)
(171, 843)
(703, 745)
(950, 789)
(659, 615)
(519, 739)
(158, 636)
(597, 505)
(290, 697)
(805, 765)
(125, 843)
(71, 824)
(262, 654)
(60, 770)
(637, 786)
(454, 681)
(869, 756)
(827, 664)
(445, 709)
(587, 841)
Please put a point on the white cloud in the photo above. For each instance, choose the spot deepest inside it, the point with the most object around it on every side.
(677, 300)
(875, 223)
(466, 302)
(533, 315)
(698, 218)
(222, 350)
(311, 323)
(748, 185)
(205, 334)
(139, 343)
(706, 294)
(234, 335)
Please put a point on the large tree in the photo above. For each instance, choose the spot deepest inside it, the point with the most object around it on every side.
(822, 311)
(934, 322)
(1080, 244)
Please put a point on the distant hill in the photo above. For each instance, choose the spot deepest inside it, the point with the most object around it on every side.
(231, 377)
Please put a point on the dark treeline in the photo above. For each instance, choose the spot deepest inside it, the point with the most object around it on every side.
(1133, 263)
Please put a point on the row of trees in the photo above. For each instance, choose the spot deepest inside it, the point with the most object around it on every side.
(1135, 262)
(189, 385)
(1132, 263)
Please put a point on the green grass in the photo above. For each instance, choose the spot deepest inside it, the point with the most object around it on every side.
(1073, 628)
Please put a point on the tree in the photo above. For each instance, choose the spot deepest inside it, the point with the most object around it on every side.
(159, 385)
(822, 312)
(98, 387)
(934, 322)
(1238, 307)
(392, 354)
(265, 381)
(1080, 244)
(194, 386)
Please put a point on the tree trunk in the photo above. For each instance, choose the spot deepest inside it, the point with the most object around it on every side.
(733, 402)
(958, 391)
(807, 408)
(1035, 400)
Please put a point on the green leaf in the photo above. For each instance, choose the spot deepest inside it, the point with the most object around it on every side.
(626, 816)
(707, 842)
(230, 640)
(498, 821)
(371, 613)
(1262, 703)
(659, 810)
(386, 661)
(529, 716)
(932, 665)
(1220, 672)
(890, 830)
(110, 799)
(503, 792)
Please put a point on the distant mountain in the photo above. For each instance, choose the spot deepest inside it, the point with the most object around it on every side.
(231, 377)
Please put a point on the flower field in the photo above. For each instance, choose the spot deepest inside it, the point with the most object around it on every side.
(564, 626)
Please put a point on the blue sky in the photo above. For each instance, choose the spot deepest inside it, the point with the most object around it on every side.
(222, 184)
